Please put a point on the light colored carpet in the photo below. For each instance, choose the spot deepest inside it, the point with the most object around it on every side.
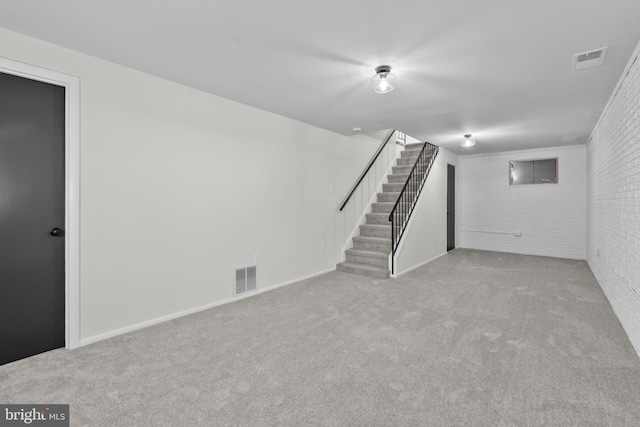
(474, 338)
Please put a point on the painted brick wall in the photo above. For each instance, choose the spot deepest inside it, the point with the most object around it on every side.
(551, 217)
(613, 191)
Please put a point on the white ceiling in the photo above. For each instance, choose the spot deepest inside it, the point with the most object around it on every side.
(499, 69)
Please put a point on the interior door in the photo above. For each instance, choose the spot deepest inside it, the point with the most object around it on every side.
(32, 204)
(451, 207)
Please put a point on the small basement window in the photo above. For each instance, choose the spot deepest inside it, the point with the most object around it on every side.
(539, 171)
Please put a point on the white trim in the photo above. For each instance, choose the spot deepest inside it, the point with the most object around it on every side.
(158, 320)
(420, 265)
(72, 185)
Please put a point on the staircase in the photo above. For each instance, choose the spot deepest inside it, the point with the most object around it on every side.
(370, 253)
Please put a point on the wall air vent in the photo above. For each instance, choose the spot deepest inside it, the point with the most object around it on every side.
(246, 280)
(593, 58)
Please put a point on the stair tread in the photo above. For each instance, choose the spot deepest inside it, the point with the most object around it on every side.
(373, 239)
(376, 226)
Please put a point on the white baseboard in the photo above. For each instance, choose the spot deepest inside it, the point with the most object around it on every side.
(142, 325)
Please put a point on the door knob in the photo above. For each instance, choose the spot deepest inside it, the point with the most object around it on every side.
(55, 231)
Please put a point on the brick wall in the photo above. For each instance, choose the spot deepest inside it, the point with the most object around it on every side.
(551, 217)
(613, 193)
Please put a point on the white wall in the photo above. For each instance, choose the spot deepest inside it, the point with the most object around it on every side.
(426, 237)
(179, 187)
(613, 177)
(551, 217)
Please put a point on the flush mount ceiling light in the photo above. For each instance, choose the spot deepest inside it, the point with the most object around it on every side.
(384, 81)
(468, 142)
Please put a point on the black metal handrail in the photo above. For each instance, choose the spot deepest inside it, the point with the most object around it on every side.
(403, 208)
(363, 174)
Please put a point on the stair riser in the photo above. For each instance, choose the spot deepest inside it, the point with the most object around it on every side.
(411, 147)
(406, 161)
(401, 169)
(394, 179)
(410, 161)
(387, 197)
(376, 275)
(378, 219)
(381, 207)
(375, 247)
(410, 153)
(368, 232)
(392, 188)
(376, 262)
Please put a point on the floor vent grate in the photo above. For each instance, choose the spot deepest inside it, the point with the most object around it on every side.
(246, 280)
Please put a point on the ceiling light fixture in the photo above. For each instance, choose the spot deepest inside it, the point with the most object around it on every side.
(384, 81)
(468, 142)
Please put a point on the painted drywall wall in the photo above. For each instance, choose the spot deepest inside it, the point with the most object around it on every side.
(426, 237)
(180, 187)
(613, 194)
(551, 217)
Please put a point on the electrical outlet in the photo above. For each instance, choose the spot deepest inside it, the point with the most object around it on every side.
(257, 257)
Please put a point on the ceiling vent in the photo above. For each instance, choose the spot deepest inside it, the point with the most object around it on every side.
(593, 58)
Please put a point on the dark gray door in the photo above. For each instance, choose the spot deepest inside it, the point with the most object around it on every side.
(32, 276)
(451, 207)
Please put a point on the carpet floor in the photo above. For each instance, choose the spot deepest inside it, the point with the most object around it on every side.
(472, 339)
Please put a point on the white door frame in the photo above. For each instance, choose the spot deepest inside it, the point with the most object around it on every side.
(72, 186)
